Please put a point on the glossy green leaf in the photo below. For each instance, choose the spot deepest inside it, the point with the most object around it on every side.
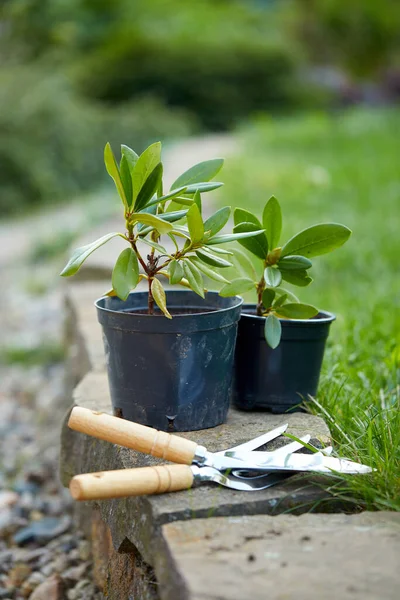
(195, 224)
(149, 187)
(272, 276)
(155, 222)
(173, 216)
(294, 263)
(283, 292)
(158, 293)
(281, 300)
(218, 220)
(272, 222)
(211, 273)
(299, 278)
(194, 277)
(175, 271)
(231, 237)
(218, 250)
(257, 242)
(130, 155)
(240, 215)
(203, 171)
(125, 275)
(80, 254)
(126, 179)
(155, 245)
(145, 164)
(244, 263)
(237, 286)
(113, 171)
(268, 297)
(272, 331)
(178, 202)
(214, 261)
(197, 201)
(203, 187)
(169, 196)
(297, 311)
(316, 240)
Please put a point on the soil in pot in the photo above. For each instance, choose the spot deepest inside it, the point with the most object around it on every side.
(172, 374)
(278, 380)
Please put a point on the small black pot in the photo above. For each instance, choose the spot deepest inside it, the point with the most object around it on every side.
(278, 379)
(175, 375)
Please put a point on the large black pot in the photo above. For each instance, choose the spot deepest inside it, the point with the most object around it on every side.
(278, 379)
(175, 375)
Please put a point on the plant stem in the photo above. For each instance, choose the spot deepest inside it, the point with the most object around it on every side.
(260, 289)
(150, 302)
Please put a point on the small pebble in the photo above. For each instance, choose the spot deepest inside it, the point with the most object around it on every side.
(84, 550)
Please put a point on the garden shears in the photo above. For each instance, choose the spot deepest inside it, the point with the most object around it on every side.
(240, 467)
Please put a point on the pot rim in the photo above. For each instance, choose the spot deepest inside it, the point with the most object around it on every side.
(237, 304)
(329, 318)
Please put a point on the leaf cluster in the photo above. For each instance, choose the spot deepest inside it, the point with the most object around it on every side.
(288, 263)
(151, 212)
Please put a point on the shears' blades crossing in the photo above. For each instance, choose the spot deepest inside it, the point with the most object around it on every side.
(256, 442)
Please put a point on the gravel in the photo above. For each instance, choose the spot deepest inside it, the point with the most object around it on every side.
(42, 556)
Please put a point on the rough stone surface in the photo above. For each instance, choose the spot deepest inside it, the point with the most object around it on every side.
(327, 557)
(139, 519)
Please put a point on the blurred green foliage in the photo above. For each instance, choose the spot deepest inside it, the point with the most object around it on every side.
(76, 73)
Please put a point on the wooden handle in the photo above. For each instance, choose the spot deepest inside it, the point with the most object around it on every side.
(131, 482)
(132, 435)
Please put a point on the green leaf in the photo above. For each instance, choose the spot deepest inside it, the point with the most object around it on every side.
(175, 271)
(169, 196)
(316, 240)
(158, 293)
(197, 200)
(194, 277)
(178, 202)
(152, 244)
(171, 217)
(212, 260)
(294, 263)
(273, 277)
(125, 275)
(222, 251)
(272, 221)
(297, 311)
(203, 187)
(113, 171)
(283, 292)
(149, 187)
(240, 215)
(203, 171)
(195, 224)
(237, 286)
(130, 155)
(257, 244)
(244, 263)
(231, 237)
(272, 331)
(126, 179)
(299, 278)
(159, 224)
(80, 254)
(268, 297)
(145, 164)
(211, 273)
(281, 300)
(218, 220)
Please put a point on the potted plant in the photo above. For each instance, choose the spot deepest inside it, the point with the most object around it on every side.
(281, 341)
(170, 373)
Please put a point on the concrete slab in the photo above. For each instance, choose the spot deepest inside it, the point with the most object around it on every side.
(312, 556)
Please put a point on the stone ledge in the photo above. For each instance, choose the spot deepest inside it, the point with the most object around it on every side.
(138, 520)
(297, 558)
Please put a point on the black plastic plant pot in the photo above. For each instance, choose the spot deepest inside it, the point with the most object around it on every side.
(171, 374)
(278, 380)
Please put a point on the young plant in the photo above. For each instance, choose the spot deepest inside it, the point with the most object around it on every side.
(290, 262)
(150, 213)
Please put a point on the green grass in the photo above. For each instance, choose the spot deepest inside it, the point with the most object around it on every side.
(343, 168)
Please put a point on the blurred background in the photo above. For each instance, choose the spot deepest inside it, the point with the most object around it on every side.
(302, 97)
